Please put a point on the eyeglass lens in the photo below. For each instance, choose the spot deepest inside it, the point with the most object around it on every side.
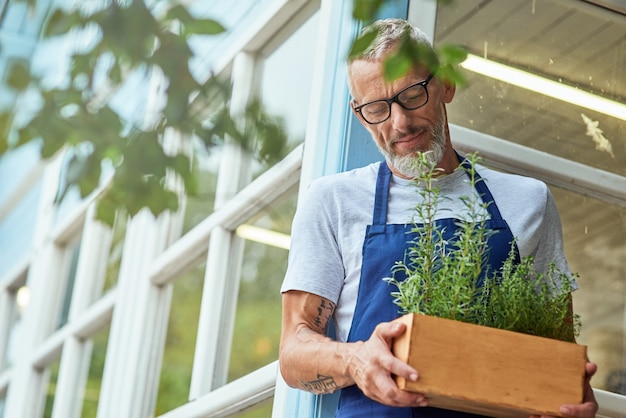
(411, 98)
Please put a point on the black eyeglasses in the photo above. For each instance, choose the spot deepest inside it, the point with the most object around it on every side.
(411, 98)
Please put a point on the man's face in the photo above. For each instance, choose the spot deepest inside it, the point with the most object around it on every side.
(406, 131)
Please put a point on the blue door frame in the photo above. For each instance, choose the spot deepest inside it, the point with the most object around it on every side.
(355, 150)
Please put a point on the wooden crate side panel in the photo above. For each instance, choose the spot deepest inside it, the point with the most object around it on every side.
(476, 366)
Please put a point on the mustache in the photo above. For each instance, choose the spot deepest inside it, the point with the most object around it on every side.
(410, 131)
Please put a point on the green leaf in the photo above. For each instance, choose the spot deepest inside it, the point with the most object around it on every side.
(450, 53)
(19, 76)
(6, 119)
(365, 10)
(82, 64)
(396, 66)
(203, 27)
(452, 74)
(106, 210)
(181, 164)
(61, 23)
(360, 44)
(115, 73)
(180, 13)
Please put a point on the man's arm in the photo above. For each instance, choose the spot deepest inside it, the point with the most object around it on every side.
(313, 362)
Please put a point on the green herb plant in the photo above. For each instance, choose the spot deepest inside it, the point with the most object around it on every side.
(442, 276)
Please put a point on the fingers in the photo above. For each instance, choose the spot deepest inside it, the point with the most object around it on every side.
(373, 368)
(590, 369)
(585, 410)
(387, 332)
(589, 407)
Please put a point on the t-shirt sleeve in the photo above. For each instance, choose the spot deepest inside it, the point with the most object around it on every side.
(315, 264)
(550, 248)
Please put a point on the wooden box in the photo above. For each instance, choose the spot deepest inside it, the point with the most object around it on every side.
(488, 371)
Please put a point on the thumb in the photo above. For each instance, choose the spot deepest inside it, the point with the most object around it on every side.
(390, 330)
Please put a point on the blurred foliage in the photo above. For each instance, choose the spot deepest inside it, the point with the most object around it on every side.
(444, 62)
(131, 38)
(128, 38)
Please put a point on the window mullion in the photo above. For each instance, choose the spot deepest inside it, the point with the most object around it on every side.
(224, 254)
(90, 273)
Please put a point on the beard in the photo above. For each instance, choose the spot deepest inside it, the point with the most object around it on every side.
(405, 164)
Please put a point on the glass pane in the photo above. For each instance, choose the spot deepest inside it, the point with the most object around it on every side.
(200, 205)
(96, 369)
(258, 317)
(557, 42)
(595, 245)
(180, 342)
(15, 17)
(16, 165)
(53, 373)
(514, 48)
(286, 79)
(19, 301)
(114, 260)
(17, 229)
(72, 253)
(262, 410)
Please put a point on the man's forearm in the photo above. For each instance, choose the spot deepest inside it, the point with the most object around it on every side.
(315, 363)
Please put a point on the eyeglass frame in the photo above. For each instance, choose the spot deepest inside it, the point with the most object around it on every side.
(394, 99)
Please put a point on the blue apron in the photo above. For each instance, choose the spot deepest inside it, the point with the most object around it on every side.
(385, 244)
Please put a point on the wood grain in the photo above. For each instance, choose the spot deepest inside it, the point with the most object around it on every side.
(489, 371)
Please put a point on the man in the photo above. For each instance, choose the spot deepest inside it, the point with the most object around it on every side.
(351, 228)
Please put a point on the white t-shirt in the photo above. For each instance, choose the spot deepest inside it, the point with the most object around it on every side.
(329, 227)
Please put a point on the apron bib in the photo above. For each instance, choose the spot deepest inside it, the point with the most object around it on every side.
(385, 244)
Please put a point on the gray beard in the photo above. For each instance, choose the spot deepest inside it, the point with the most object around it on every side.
(406, 164)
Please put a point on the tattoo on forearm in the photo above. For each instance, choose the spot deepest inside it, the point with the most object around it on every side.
(324, 312)
(323, 384)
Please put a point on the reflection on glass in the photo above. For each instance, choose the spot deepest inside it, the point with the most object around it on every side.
(595, 245)
(552, 41)
(180, 341)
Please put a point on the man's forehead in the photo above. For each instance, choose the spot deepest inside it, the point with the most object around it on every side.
(365, 75)
(367, 67)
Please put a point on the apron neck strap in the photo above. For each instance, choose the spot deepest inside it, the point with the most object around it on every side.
(384, 179)
(482, 189)
(382, 194)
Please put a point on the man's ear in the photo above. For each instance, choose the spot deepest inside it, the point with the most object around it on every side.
(448, 89)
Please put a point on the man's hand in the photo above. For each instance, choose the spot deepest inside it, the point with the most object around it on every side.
(589, 407)
(313, 362)
(372, 366)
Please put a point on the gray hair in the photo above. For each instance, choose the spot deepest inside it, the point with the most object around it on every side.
(390, 33)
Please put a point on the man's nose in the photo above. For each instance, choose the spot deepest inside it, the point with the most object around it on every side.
(400, 117)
